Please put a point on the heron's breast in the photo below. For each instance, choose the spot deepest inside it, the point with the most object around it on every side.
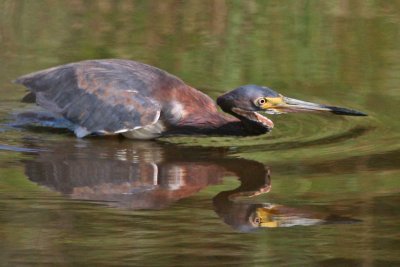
(151, 131)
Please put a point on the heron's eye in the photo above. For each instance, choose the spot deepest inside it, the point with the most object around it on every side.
(261, 101)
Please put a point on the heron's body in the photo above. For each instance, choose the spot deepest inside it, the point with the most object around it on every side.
(140, 101)
(121, 96)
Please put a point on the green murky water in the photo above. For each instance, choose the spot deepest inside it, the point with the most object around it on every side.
(317, 191)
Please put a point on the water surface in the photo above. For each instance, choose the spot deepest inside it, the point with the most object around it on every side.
(318, 190)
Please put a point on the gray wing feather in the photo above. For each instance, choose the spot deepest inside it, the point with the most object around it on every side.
(98, 96)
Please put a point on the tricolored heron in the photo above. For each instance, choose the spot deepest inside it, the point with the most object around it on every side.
(115, 96)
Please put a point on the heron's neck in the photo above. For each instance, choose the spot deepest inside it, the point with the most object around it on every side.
(216, 124)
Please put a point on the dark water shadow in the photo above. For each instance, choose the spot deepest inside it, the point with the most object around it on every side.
(151, 175)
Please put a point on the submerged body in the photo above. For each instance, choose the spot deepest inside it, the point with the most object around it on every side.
(143, 102)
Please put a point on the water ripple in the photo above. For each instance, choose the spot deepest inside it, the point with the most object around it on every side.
(291, 132)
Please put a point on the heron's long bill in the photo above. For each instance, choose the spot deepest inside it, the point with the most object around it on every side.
(286, 105)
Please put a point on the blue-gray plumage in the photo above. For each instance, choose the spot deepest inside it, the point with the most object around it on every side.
(140, 101)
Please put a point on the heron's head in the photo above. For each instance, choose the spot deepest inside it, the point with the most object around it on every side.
(246, 101)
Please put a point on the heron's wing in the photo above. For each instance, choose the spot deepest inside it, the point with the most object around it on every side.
(98, 96)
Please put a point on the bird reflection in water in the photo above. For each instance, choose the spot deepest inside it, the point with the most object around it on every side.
(152, 175)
